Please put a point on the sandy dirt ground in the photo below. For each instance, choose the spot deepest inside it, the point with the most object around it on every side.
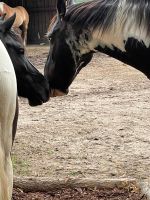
(100, 130)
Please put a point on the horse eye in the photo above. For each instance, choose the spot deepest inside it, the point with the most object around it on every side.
(50, 36)
(21, 50)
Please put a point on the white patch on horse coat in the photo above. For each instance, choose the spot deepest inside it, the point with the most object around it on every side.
(5, 61)
(8, 94)
(123, 27)
(2, 6)
(128, 23)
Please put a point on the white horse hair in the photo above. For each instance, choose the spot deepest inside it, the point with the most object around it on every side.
(8, 94)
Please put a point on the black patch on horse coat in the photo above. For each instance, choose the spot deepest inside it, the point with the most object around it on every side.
(136, 55)
(61, 7)
(14, 128)
(85, 59)
(65, 58)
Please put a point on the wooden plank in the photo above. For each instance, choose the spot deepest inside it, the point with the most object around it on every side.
(45, 184)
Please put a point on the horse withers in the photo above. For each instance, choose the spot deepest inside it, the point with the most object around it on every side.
(8, 102)
(21, 21)
(117, 28)
(31, 84)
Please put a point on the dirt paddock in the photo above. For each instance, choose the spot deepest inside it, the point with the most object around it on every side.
(80, 194)
(100, 130)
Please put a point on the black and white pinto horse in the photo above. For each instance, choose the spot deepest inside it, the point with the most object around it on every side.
(31, 84)
(118, 28)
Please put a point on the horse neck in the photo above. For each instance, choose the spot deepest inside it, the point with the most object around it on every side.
(97, 38)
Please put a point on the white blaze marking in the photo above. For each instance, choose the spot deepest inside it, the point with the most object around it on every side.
(2, 6)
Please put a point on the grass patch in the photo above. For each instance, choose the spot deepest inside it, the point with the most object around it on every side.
(20, 167)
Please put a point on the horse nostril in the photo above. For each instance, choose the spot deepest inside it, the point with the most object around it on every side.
(46, 96)
(67, 91)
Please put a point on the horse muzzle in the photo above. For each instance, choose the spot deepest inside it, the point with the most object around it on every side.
(56, 93)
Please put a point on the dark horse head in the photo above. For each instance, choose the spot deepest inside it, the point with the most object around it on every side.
(117, 28)
(31, 83)
(64, 60)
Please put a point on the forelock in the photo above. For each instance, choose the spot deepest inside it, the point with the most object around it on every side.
(15, 38)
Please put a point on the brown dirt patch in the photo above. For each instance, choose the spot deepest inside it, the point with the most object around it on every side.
(80, 194)
(100, 130)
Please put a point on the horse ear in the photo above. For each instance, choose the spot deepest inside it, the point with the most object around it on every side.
(70, 2)
(61, 8)
(8, 23)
